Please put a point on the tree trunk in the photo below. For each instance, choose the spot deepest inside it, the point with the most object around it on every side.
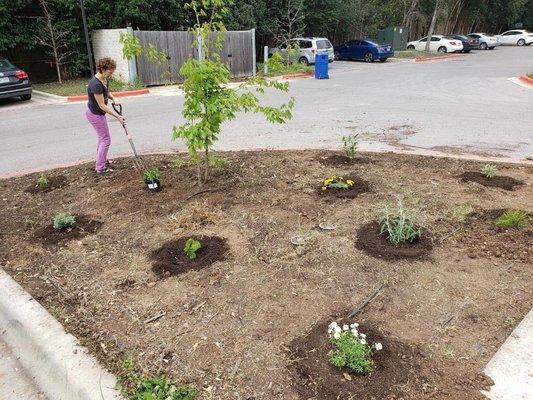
(206, 171)
(50, 27)
(432, 25)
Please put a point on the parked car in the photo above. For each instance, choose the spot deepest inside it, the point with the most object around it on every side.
(363, 49)
(439, 43)
(516, 37)
(485, 41)
(308, 48)
(13, 81)
(469, 43)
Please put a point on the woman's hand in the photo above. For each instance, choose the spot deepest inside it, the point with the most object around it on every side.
(121, 119)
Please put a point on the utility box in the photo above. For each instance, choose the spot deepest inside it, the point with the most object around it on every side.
(396, 36)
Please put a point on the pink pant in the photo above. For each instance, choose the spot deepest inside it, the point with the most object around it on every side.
(99, 123)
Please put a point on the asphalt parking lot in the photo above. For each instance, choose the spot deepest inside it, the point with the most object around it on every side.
(464, 106)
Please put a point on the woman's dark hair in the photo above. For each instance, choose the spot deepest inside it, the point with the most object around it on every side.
(105, 64)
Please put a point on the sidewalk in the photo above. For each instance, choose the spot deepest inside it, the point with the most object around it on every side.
(14, 384)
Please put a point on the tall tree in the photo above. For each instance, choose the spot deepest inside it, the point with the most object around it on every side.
(432, 25)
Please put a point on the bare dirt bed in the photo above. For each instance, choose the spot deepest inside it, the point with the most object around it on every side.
(251, 324)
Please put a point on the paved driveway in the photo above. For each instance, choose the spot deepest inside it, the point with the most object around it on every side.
(461, 106)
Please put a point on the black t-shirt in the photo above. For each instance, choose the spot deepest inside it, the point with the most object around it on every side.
(96, 87)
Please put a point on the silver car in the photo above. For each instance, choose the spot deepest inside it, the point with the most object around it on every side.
(308, 49)
(485, 41)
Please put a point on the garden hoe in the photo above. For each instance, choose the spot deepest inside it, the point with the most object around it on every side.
(138, 162)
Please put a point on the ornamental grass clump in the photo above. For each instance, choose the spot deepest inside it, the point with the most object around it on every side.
(399, 224)
(191, 248)
(62, 221)
(351, 348)
(337, 183)
(512, 219)
(489, 170)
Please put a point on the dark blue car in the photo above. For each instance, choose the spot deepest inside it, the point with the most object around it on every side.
(363, 49)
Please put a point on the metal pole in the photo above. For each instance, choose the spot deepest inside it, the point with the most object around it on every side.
(87, 41)
(265, 60)
(253, 52)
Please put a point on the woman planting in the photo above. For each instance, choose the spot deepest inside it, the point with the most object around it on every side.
(98, 95)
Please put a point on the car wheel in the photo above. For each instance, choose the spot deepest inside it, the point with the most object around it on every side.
(25, 97)
(383, 59)
(521, 42)
(337, 56)
(467, 51)
(483, 46)
(369, 57)
(411, 47)
(442, 49)
(303, 61)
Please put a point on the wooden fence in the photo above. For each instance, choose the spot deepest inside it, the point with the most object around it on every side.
(238, 52)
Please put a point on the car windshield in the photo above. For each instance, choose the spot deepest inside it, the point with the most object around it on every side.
(323, 44)
(5, 65)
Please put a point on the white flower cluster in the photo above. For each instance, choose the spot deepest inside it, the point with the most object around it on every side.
(335, 332)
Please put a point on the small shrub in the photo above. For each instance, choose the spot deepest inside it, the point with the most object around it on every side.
(399, 224)
(350, 144)
(489, 170)
(336, 183)
(134, 386)
(152, 175)
(351, 348)
(42, 181)
(191, 248)
(62, 221)
(180, 163)
(218, 162)
(512, 219)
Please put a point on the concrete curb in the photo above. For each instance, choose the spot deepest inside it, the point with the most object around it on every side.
(127, 93)
(61, 367)
(49, 96)
(511, 368)
(451, 56)
(526, 79)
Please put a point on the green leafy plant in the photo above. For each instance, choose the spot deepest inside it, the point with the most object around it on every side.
(191, 248)
(399, 225)
(62, 221)
(180, 163)
(350, 144)
(512, 219)
(218, 162)
(134, 386)
(152, 175)
(209, 101)
(42, 181)
(351, 348)
(489, 170)
(337, 182)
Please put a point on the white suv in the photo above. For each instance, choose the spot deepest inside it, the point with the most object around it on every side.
(309, 48)
(516, 37)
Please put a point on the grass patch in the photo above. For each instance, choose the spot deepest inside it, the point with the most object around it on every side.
(512, 219)
(76, 87)
(294, 68)
(134, 386)
(411, 54)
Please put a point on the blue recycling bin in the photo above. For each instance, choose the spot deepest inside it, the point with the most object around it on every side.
(321, 66)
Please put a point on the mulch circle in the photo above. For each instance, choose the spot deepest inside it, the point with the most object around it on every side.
(371, 242)
(502, 182)
(170, 259)
(337, 160)
(360, 186)
(55, 182)
(84, 226)
(395, 365)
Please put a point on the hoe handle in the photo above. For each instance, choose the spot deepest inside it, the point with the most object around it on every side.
(119, 109)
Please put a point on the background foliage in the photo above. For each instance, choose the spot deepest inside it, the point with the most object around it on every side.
(339, 20)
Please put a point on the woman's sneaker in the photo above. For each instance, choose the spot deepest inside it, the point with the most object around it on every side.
(104, 171)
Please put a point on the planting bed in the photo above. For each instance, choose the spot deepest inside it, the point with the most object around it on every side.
(249, 321)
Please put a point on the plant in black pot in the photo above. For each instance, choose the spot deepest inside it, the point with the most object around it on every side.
(152, 179)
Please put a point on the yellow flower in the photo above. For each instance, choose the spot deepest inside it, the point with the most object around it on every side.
(349, 182)
(324, 188)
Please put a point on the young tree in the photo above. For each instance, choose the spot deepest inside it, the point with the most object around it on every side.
(209, 101)
(54, 39)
